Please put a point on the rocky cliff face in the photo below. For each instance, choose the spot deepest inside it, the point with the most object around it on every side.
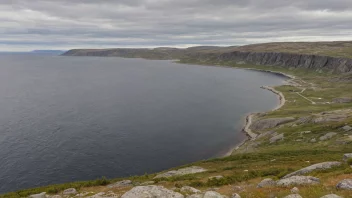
(289, 60)
(315, 62)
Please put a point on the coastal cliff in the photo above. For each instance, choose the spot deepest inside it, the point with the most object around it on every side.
(256, 54)
(287, 60)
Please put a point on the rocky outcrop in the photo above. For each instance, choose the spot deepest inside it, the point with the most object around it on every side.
(327, 136)
(298, 180)
(331, 196)
(270, 123)
(70, 191)
(235, 196)
(342, 100)
(295, 190)
(109, 194)
(151, 192)
(347, 156)
(120, 184)
(182, 171)
(268, 182)
(276, 138)
(345, 184)
(189, 190)
(319, 166)
(212, 194)
(347, 128)
(40, 195)
(293, 196)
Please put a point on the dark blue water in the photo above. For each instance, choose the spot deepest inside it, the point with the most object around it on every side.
(79, 118)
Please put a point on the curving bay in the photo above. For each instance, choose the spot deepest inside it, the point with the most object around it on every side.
(79, 118)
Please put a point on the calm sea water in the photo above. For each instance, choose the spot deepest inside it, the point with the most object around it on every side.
(64, 119)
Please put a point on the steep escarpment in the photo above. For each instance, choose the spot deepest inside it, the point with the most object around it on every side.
(341, 63)
(287, 60)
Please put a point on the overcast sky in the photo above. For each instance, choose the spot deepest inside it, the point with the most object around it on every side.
(65, 24)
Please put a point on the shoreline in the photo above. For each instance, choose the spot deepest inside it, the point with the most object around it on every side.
(249, 118)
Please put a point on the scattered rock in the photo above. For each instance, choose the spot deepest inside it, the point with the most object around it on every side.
(190, 190)
(345, 184)
(120, 184)
(70, 191)
(313, 140)
(151, 192)
(268, 182)
(55, 196)
(298, 180)
(295, 190)
(347, 156)
(104, 195)
(40, 195)
(235, 196)
(195, 196)
(303, 120)
(293, 196)
(276, 138)
(342, 100)
(82, 194)
(182, 171)
(323, 166)
(213, 194)
(330, 118)
(347, 128)
(98, 195)
(270, 123)
(327, 136)
(305, 132)
(331, 196)
(265, 134)
(216, 177)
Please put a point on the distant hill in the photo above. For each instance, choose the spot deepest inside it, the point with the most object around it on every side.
(320, 56)
(48, 52)
(53, 52)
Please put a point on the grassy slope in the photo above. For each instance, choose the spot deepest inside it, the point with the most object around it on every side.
(246, 168)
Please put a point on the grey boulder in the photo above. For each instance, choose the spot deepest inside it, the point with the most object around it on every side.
(293, 196)
(266, 183)
(151, 192)
(39, 195)
(120, 184)
(345, 184)
(235, 196)
(347, 128)
(342, 100)
(347, 156)
(182, 171)
(276, 138)
(270, 123)
(213, 194)
(327, 136)
(331, 196)
(319, 166)
(188, 189)
(298, 180)
(70, 191)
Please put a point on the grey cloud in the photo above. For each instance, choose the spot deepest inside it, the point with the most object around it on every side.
(124, 23)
